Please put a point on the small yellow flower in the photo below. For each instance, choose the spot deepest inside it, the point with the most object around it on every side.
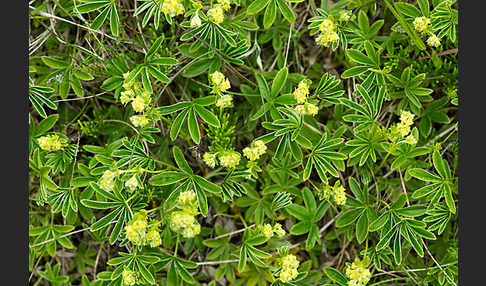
(172, 7)
(132, 183)
(300, 109)
(138, 120)
(225, 4)
(290, 261)
(267, 230)
(129, 276)
(326, 25)
(421, 24)
(406, 117)
(191, 231)
(181, 219)
(138, 104)
(311, 109)
(403, 129)
(107, 182)
(340, 195)
(210, 159)
(433, 41)
(224, 101)
(230, 160)
(187, 197)
(344, 15)
(278, 230)
(217, 78)
(357, 274)
(216, 14)
(136, 232)
(410, 139)
(50, 143)
(301, 92)
(153, 238)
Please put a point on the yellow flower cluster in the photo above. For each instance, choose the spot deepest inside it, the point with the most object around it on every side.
(172, 7)
(289, 268)
(300, 94)
(345, 15)
(129, 276)
(328, 33)
(140, 233)
(403, 127)
(107, 181)
(138, 120)
(337, 192)
(421, 24)
(51, 142)
(307, 109)
(216, 13)
(433, 41)
(358, 274)
(132, 183)
(134, 92)
(184, 220)
(210, 159)
(268, 231)
(224, 101)
(220, 84)
(254, 152)
(230, 160)
(219, 81)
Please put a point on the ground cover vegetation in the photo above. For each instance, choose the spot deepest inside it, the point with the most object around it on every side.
(238, 142)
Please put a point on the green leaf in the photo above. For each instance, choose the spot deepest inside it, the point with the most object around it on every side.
(270, 14)
(301, 228)
(145, 272)
(114, 20)
(181, 161)
(100, 19)
(279, 81)
(411, 211)
(54, 63)
(167, 178)
(424, 175)
(202, 200)
(299, 212)
(335, 276)
(177, 124)
(349, 217)
(286, 11)
(408, 9)
(193, 126)
(362, 228)
(207, 185)
(359, 57)
(257, 6)
(155, 47)
(207, 116)
(46, 124)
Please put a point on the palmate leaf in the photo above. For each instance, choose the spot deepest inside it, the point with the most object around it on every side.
(108, 9)
(248, 251)
(188, 110)
(121, 209)
(322, 158)
(442, 183)
(189, 181)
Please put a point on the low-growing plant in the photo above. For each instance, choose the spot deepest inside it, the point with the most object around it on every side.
(237, 142)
